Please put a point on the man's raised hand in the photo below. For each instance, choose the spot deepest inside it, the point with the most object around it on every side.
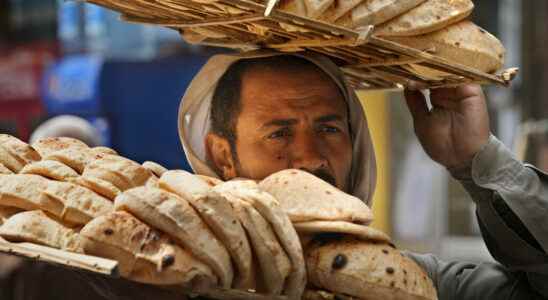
(456, 128)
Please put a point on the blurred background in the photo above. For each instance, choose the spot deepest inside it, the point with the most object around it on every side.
(70, 58)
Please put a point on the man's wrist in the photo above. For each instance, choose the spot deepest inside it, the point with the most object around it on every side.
(463, 171)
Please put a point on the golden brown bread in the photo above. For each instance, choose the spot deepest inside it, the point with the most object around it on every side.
(143, 254)
(50, 169)
(73, 203)
(464, 43)
(15, 154)
(4, 170)
(365, 233)
(155, 168)
(6, 212)
(68, 151)
(109, 175)
(174, 216)
(269, 208)
(305, 197)
(430, 16)
(366, 271)
(37, 227)
(374, 12)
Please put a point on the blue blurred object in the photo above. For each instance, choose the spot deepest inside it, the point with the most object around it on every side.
(71, 86)
(136, 102)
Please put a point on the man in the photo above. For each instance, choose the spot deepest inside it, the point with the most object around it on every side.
(252, 115)
(262, 113)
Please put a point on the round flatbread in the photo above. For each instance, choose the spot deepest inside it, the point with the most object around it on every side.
(144, 254)
(217, 212)
(355, 268)
(25, 192)
(18, 150)
(37, 227)
(121, 172)
(274, 265)
(68, 151)
(304, 197)
(174, 216)
(75, 204)
(155, 168)
(358, 231)
(430, 16)
(269, 208)
(50, 169)
(6, 212)
(4, 170)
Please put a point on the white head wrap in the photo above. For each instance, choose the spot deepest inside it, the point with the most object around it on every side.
(194, 120)
(68, 126)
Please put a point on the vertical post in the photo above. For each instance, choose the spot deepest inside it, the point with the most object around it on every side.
(376, 108)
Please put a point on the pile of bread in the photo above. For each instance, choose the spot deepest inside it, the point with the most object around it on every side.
(436, 26)
(291, 234)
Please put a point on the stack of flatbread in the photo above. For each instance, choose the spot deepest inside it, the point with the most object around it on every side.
(170, 227)
(435, 26)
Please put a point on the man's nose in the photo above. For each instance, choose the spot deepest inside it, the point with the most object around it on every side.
(307, 154)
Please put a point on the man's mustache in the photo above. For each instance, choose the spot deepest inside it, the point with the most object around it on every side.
(324, 175)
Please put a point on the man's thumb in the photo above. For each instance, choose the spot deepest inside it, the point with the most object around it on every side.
(416, 104)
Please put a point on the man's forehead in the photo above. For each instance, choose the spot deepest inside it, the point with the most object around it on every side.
(297, 88)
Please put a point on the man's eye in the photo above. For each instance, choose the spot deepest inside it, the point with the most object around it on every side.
(279, 133)
(329, 129)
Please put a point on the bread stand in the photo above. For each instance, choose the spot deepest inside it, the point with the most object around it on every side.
(109, 267)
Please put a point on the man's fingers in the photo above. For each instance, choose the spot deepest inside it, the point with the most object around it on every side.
(416, 104)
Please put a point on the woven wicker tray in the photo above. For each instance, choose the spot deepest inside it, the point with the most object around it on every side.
(368, 62)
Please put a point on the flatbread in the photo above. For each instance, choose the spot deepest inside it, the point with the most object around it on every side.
(101, 187)
(18, 150)
(339, 9)
(211, 181)
(430, 16)
(75, 204)
(274, 265)
(102, 150)
(464, 43)
(374, 12)
(174, 216)
(269, 208)
(155, 168)
(50, 169)
(217, 213)
(315, 8)
(37, 227)
(121, 172)
(355, 268)
(25, 192)
(4, 170)
(143, 254)
(296, 7)
(355, 230)
(305, 197)
(69, 151)
(6, 212)
(10, 161)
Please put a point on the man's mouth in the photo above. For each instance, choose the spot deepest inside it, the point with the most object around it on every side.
(325, 176)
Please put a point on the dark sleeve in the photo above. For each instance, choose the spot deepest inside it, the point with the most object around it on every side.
(512, 210)
(468, 281)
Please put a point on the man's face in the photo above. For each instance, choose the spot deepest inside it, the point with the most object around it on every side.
(293, 120)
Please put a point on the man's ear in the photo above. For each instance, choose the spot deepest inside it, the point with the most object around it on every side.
(219, 153)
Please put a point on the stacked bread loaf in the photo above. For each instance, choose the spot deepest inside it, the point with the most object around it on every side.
(435, 26)
(175, 228)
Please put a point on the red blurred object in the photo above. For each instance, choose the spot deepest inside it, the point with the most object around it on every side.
(21, 71)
